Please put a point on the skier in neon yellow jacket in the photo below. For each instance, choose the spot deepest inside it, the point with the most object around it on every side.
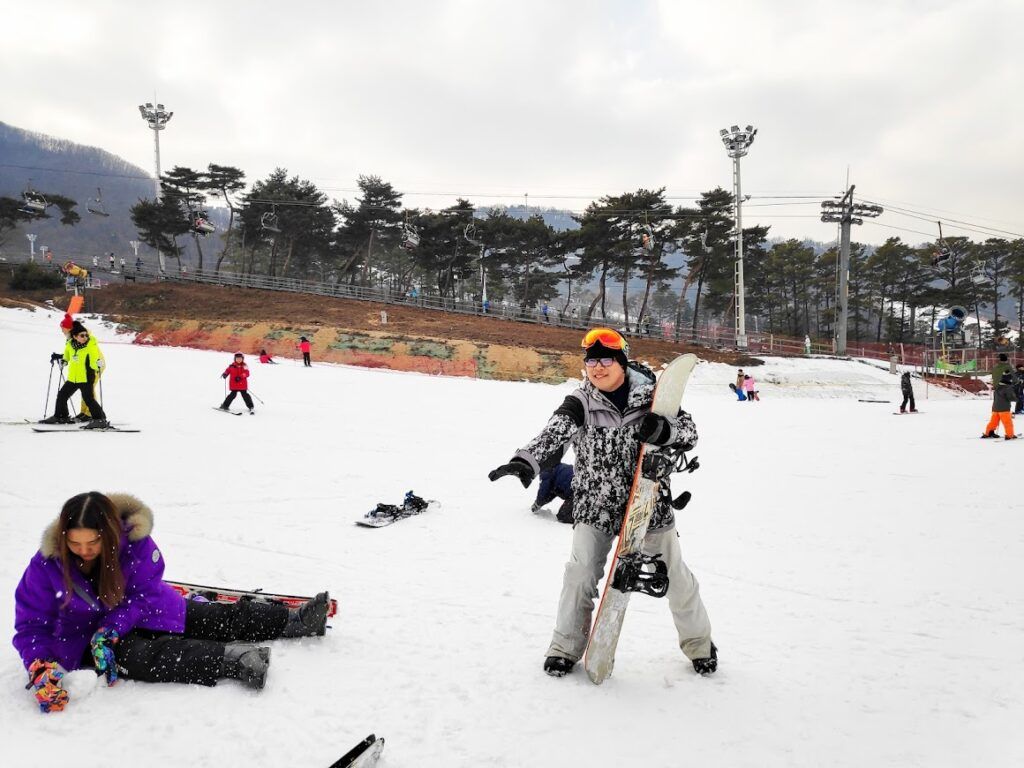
(85, 362)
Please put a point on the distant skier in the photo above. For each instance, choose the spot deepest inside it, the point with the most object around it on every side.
(1019, 389)
(737, 386)
(908, 393)
(749, 388)
(237, 375)
(304, 347)
(85, 362)
(111, 262)
(607, 419)
(555, 482)
(266, 358)
(1002, 396)
(83, 409)
(93, 596)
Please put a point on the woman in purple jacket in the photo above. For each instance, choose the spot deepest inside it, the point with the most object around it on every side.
(94, 596)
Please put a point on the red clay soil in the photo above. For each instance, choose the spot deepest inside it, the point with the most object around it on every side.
(170, 301)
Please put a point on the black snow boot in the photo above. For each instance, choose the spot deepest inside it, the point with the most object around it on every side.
(247, 663)
(707, 666)
(55, 419)
(83, 417)
(558, 666)
(308, 620)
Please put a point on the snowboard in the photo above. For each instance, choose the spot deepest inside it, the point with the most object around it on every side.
(740, 394)
(389, 514)
(652, 465)
(78, 427)
(223, 595)
(362, 755)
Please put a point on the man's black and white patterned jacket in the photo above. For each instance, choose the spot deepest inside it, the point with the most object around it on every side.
(607, 449)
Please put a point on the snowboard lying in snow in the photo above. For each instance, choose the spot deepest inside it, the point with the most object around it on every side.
(222, 595)
(362, 755)
(388, 514)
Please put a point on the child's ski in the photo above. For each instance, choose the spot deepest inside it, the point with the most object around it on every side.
(362, 755)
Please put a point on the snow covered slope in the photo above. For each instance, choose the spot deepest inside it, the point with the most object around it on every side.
(864, 573)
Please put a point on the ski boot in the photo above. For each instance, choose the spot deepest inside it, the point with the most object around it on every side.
(989, 434)
(83, 418)
(558, 666)
(55, 419)
(97, 424)
(706, 666)
(252, 411)
(309, 619)
(247, 663)
(1010, 437)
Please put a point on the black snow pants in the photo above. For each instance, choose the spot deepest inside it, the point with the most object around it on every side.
(65, 393)
(908, 396)
(230, 398)
(197, 655)
(305, 360)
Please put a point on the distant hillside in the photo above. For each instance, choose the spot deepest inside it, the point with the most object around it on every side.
(58, 166)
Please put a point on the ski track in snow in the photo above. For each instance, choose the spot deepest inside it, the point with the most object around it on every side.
(864, 576)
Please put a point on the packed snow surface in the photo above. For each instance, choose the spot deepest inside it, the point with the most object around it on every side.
(864, 572)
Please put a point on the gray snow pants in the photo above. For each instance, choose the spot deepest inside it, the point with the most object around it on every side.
(586, 564)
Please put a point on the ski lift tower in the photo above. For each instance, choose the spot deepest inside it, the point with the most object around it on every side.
(157, 118)
(845, 212)
(32, 247)
(737, 141)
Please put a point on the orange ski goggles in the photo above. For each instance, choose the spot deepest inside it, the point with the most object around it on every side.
(604, 336)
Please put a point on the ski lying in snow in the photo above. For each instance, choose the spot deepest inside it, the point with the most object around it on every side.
(874, 401)
(78, 427)
(222, 595)
(388, 514)
(226, 410)
(362, 755)
(19, 423)
(631, 570)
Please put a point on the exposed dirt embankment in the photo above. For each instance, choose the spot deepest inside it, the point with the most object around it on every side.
(351, 332)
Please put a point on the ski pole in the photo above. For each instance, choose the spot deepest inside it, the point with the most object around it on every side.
(257, 397)
(49, 383)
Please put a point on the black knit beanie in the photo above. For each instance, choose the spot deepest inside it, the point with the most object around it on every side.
(77, 328)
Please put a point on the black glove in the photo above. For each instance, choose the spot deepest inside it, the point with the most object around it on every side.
(56, 357)
(654, 429)
(223, 375)
(518, 467)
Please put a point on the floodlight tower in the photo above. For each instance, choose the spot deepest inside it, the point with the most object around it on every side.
(845, 212)
(737, 141)
(157, 118)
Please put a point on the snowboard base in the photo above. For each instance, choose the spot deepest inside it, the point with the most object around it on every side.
(362, 755)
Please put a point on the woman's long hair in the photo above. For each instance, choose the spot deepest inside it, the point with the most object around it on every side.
(95, 511)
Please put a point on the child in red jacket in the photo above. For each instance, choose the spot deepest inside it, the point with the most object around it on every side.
(304, 347)
(237, 375)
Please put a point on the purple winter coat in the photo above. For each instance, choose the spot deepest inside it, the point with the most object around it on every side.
(45, 628)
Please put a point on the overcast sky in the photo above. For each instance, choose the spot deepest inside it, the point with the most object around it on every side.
(566, 101)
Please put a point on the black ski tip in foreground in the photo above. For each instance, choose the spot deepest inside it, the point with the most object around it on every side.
(362, 755)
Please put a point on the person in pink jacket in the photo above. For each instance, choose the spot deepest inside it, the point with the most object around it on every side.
(748, 388)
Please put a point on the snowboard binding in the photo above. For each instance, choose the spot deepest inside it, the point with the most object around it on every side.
(411, 505)
(637, 572)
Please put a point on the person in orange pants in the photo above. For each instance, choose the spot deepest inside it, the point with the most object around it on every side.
(1002, 397)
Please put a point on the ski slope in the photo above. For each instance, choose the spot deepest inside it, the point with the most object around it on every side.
(864, 573)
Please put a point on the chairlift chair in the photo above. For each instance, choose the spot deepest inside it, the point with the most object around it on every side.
(33, 203)
(410, 237)
(95, 205)
(201, 223)
(647, 238)
(470, 234)
(269, 222)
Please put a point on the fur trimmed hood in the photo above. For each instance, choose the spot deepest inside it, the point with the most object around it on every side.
(136, 520)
